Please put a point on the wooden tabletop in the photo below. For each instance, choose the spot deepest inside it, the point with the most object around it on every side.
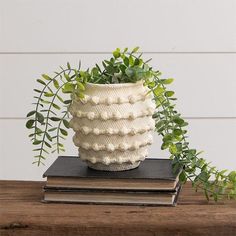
(22, 213)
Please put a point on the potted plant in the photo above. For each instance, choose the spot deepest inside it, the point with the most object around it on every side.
(114, 108)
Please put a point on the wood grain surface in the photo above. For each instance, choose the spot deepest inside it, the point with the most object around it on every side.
(23, 213)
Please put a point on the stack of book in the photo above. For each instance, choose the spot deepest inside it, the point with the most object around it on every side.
(152, 183)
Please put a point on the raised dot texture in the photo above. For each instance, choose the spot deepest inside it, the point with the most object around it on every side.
(95, 100)
(113, 125)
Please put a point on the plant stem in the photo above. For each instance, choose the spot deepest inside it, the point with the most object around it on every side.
(58, 130)
(40, 97)
(47, 118)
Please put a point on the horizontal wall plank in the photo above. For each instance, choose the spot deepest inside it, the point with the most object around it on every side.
(99, 26)
(216, 137)
(204, 84)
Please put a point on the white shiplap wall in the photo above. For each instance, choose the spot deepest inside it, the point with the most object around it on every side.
(193, 41)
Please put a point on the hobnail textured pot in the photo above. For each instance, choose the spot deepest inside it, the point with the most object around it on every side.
(113, 125)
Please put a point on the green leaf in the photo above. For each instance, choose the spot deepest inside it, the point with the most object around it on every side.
(56, 106)
(31, 113)
(67, 102)
(29, 124)
(104, 65)
(178, 120)
(203, 175)
(160, 130)
(45, 102)
(64, 132)
(135, 50)
(40, 117)
(60, 145)
(167, 138)
(164, 146)
(41, 81)
(116, 53)
(184, 124)
(158, 91)
(173, 149)
(139, 73)
(160, 124)
(179, 147)
(48, 136)
(167, 81)
(66, 124)
(56, 84)
(60, 99)
(38, 130)
(182, 177)
(67, 77)
(177, 132)
(136, 62)
(122, 68)
(79, 94)
(45, 150)
(76, 76)
(46, 77)
(131, 60)
(55, 118)
(37, 90)
(52, 129)
(36, 142)
(50, 90)
(68, 88)
(47, 144)
(176, 167)
(129, 72)
(169, 93)
(47, 94)
(95, 71)
(68, 65)
(232, 176)
(125, 50)
(151, 84)
(98, 68)
(80, 86)
(126, 61)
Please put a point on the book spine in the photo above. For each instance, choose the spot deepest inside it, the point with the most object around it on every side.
(102, 190)
(110, 203)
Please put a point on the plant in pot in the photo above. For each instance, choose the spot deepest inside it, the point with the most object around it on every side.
(114, 107)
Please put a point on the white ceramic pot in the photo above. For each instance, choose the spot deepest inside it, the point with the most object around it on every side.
(113, 125)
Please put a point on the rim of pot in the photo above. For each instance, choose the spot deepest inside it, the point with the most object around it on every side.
(115, 85)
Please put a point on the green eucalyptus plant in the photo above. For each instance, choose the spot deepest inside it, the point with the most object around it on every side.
(49, 129)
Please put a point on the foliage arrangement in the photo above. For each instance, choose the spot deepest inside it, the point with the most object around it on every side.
(50, 128)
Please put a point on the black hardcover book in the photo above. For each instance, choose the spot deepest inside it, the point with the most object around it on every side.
(72, 173)
(112, 197)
